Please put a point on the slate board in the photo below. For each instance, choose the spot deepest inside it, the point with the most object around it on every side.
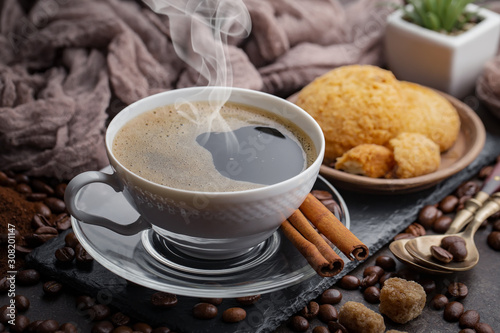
(375, 219)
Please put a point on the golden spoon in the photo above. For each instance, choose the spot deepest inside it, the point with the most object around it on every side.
(420, 248)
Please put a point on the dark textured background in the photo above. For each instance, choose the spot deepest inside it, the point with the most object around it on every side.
(375, 219)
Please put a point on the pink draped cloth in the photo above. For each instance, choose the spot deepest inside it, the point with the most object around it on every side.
(67, 67)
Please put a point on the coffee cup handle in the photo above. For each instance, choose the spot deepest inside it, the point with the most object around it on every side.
(89, 177)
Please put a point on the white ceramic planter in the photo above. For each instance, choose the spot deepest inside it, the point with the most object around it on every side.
(447, 63)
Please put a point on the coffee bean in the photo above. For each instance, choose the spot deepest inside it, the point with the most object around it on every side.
(333, 207)
(84, 302)
(142, 327)
(448, 204)
(373, 269)
(320, 329)
(442, 224)
(20, 324)
(349, 282)
(42, 209)
(438, 302)
(63, 222)
(485, 172)
(234, 315)
(458, 250)
(4, 285)
(496, 225)
(469, 319)
(33, 197)
(453, 311)
(102, 327)
(494, 240)
(212, 300)
(56, 205)
(441, 254)
(469, 188)
(428, 285)
(327, 312)
(248, 300)
(46, 230)
(369, 281)
(299, 324)
(81, 255)
(372, 295)
(65, 254)
(39, 221)
(336, 327)
(321, 195)
(427, 215)
(204, 311)
(28, 277)
(71, 240)
(310, 311)
(387, 263)
(161, 329)
(5, 314)
(331, 296)
(40, 186)
(52, 288)
(33, 326)
(120, 319)
(59, 190)
(403, 235)
(163, 300)
(483, 328)
(458, 290)
(462, 201)
(123, 329)
(69, 328)
(416, 229)
(384, 277)
(21, 178)
(23, 250)
(47, 326)
(467, 330)
(99, 312)
(447, 241)
(22, 188)
(35, 240)
(22, 303)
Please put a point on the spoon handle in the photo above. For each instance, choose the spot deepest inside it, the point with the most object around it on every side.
(464, 216)
(489, 208)
(492, 183)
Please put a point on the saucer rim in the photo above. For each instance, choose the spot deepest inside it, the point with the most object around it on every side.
(298, 275)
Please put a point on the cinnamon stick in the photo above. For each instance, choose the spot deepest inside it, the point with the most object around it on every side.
(334, 230)
(300, 222)
(309, 251)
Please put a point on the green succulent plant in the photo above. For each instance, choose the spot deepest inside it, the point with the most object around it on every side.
(439, 15)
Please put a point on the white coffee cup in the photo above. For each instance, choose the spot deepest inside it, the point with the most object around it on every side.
(211, 225)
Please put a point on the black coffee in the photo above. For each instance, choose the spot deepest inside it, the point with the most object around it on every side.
(255, 154)
(185, 147)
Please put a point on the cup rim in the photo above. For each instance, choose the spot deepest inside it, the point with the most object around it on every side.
(130, 109)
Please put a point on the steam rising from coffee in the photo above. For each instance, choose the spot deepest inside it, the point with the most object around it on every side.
(199, 30)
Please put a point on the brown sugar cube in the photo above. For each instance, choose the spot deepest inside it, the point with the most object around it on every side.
(401, 300)
(356, 317)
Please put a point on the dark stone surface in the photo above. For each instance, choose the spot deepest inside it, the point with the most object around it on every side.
(375, 219)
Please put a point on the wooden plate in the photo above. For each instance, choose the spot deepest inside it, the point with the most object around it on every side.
(469, 144)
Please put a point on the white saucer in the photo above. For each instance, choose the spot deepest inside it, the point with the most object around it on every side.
(145, 260)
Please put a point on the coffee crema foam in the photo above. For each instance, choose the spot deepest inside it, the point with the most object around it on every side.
(160, 145)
